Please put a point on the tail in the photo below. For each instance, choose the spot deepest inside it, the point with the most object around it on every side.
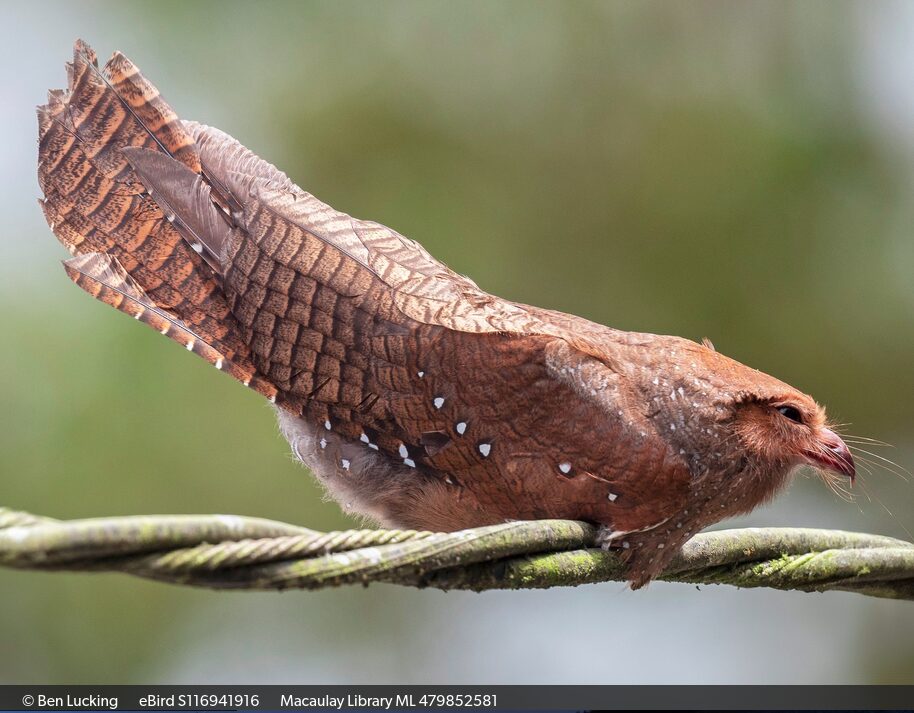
(127, 253)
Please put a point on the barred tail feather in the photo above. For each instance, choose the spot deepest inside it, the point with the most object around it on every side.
(103, 277)
(127, 253)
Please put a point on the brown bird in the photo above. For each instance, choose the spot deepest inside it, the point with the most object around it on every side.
(413, 395)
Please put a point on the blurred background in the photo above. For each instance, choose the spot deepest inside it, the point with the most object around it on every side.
(736, 170)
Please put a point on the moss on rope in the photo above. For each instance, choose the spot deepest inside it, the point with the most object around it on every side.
(233, 552)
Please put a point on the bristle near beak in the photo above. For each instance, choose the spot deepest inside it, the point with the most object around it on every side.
(832, 454)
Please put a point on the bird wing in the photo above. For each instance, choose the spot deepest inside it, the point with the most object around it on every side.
(423, 288)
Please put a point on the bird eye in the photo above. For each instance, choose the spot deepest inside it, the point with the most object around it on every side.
(791, 412)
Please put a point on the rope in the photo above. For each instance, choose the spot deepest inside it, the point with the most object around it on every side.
(233, 552)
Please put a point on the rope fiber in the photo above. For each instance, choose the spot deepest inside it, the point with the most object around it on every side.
(235, 552)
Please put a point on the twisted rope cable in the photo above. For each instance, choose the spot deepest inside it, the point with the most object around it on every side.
(233, 552)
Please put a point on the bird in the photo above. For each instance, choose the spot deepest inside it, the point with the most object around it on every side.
(416, 398)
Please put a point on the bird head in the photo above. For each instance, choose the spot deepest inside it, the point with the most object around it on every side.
(727, 419)
(776, 426)
(791, 428)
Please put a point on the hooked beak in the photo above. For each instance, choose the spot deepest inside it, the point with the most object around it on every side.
(833, 454)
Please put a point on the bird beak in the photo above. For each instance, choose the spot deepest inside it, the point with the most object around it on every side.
(832, 454)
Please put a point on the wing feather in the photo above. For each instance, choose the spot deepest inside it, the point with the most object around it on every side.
(103, 277)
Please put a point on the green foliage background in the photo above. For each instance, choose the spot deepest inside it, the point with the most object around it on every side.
(735, 170)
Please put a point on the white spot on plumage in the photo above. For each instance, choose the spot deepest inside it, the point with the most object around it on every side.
(403, 451)
(364, 438)
(485, 449)
(218, 364)
(198, 247)
(247, 381)
(327, 425)
(625, 545)
(373, 446)
(345, 463)
(164, 330)
(612, 497)
(273, 399)
(461, 427)
(190, 345)
(410, 462)
(323, 443)
(420, 374)
(138, 315)
(438, 401)
(656, 381)
(565, 468)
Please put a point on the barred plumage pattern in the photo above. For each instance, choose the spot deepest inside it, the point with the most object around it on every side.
(413, 394)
